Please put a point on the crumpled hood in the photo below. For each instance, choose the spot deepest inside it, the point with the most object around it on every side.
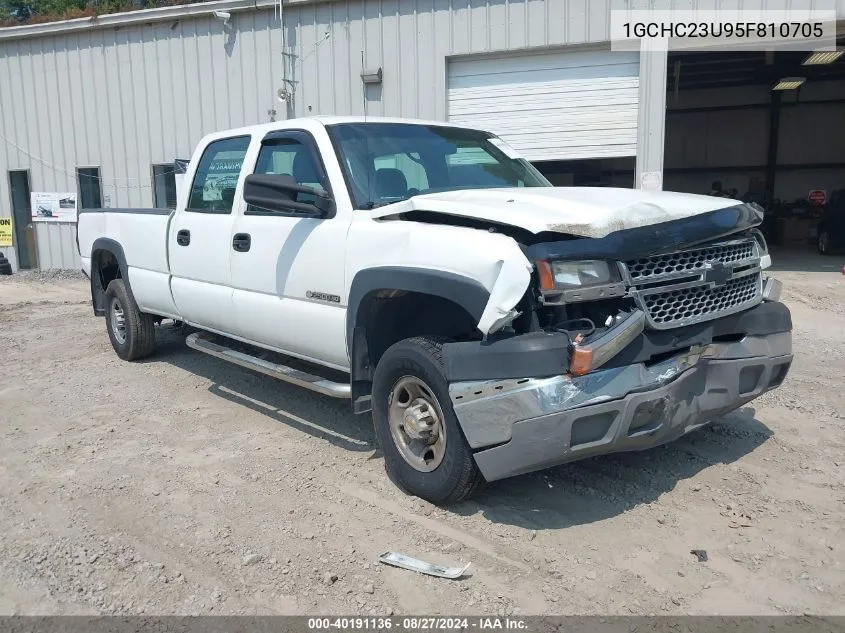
(582, 211)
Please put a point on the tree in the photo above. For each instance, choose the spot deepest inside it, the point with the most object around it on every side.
(14, 12)
(19, 10)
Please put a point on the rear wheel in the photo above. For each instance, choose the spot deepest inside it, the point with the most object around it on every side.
(824, 243)
(131, 332)
(425, 452)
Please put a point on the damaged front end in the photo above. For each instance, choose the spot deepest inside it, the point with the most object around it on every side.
(623, 343)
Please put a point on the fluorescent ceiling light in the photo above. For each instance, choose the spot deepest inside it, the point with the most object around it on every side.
(789, 83)
(822, 57)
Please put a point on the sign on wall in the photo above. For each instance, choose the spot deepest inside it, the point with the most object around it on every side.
(817, 197)
(53, 207)
(6, 231)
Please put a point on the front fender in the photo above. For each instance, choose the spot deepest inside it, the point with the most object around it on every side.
(484, 272)
(468, 293)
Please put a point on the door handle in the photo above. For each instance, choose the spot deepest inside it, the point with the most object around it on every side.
(183, 237)
(241, 242)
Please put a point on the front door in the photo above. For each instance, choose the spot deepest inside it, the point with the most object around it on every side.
(199, 239)
(22, 219)
(288, 270)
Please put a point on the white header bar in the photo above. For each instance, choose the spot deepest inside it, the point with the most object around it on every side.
(723, 29)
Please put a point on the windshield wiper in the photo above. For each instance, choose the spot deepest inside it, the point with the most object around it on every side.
(375, 205)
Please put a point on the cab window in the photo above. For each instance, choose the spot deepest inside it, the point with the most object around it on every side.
(216, 178)
(291, 157)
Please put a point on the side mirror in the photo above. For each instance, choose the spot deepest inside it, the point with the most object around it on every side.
(277, 192)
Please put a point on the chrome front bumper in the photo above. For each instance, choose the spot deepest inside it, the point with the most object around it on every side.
(528, 424)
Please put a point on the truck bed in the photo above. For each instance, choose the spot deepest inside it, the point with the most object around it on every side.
(142, 235)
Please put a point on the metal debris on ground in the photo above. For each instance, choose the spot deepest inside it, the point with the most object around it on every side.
(406, 562)
(700, 554)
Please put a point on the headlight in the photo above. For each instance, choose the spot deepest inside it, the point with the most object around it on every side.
(564, 275)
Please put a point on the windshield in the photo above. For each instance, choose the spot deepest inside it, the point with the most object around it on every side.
(388, 162)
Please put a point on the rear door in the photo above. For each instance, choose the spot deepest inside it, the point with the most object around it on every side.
(287, 269)
(200, 237)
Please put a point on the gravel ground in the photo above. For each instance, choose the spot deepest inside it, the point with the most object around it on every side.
(180, 485)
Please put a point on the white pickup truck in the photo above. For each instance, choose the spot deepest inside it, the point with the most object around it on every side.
(494, 324)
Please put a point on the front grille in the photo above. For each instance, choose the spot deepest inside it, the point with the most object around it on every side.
(676, 289)
(699, 303)
(688, 262)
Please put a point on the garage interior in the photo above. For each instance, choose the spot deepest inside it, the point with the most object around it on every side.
(768, 126)
(730, 119)
(572, 113)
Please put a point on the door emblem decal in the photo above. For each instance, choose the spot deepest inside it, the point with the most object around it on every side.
(322, 296)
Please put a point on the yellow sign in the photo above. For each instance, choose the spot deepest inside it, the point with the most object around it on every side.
(5, 231)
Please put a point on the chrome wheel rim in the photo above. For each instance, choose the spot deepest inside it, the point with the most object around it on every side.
(118, 321)
(823, 241)
(416, 424)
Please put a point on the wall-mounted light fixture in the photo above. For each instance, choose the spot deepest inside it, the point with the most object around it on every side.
(371, 76)
(223, 16)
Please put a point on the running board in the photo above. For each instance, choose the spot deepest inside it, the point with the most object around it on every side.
(201, 341)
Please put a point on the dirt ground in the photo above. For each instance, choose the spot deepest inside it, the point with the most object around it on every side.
(182, 485)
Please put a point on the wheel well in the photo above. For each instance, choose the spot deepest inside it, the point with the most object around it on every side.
(386, 317)
(104, 269)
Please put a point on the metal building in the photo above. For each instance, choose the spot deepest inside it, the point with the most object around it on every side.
(104, 106)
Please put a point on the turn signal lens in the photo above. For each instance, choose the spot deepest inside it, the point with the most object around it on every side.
(581, 361)
(544, 271)
(586, 358)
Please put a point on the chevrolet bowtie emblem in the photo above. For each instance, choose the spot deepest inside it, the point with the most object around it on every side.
(717, 273)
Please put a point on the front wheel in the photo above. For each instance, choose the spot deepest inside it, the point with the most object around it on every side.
(131, 332)
(425, 452)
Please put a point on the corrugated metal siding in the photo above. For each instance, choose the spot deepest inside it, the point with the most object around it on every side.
(123, 98)
(56, 243)
(412, 39)
(551, 106)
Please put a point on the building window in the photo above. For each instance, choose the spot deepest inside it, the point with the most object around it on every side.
(90, 193)
(213, 189)
(164, 186)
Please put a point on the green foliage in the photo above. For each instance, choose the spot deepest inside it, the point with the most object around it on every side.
(16, 12)
(19, 10)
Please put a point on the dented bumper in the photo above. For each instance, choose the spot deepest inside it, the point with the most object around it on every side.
(522, 425)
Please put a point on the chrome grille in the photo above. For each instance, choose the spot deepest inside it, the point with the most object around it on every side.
(677, 289)
(701, 302)
(647, 268)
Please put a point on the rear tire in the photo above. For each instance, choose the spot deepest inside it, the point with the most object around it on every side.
(131, 332)
(410, 398)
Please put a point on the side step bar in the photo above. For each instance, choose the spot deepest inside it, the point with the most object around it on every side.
(201, 341)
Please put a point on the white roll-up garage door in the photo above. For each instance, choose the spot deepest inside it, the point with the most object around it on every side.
(551, 106)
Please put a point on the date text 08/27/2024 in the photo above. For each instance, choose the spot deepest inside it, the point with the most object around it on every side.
(418, 623)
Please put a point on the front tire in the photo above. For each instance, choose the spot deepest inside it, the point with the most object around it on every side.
(131, 332)
(425, 452)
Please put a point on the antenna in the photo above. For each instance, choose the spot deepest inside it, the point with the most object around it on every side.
(364, 88)
(370, 168)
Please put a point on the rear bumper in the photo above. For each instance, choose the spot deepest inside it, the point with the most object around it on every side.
(528, 424)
